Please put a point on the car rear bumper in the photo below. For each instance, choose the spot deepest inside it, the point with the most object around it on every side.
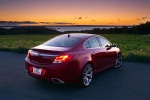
(56, 72)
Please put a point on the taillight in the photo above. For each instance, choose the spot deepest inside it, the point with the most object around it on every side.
(31, 69)
(28, 54)
(62, 58)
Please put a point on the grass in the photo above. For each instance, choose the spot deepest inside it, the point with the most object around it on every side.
(22, 43)
(135, 48)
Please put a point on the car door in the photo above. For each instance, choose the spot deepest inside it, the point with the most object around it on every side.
(110, 51)
(97, 54)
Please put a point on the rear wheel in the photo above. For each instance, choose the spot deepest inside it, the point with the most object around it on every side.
(119, 61)
(87, 75)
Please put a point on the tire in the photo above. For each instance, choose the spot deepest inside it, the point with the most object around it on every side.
(86, 76)
(119, 61)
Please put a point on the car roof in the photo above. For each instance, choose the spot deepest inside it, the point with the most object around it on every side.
(79, 35)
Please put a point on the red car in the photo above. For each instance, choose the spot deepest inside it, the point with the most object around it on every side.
(72, 57)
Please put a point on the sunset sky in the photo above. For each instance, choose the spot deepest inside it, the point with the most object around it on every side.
(74, 12)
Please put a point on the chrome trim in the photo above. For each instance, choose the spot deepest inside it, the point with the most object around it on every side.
(35, 61)
(56, 80)
(33, 53)
(42, 54)
(47, 55)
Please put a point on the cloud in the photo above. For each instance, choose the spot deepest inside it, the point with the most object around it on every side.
(80, 17)
(138, 19)
(118, 19)
(17, 22)
(93, 20)
(44, 22)
(63, 23)
(144, 17)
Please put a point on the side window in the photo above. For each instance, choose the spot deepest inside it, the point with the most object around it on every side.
(104, 42)
(93, 42)
(86, 45)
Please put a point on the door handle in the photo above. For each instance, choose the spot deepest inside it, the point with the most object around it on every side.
(94, 53)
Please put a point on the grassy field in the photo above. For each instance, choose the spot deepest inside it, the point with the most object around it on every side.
(135, 48)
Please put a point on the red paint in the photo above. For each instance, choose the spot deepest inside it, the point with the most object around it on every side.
(67, 63)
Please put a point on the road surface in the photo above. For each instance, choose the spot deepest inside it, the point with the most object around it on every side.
(130, 82)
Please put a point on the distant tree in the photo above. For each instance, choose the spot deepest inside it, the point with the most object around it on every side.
(28, 30)
(143, 28)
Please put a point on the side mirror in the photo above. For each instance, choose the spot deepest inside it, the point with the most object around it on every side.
(108, 47)
(113, 45)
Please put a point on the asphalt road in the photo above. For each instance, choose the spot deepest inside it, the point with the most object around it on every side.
(130, 82)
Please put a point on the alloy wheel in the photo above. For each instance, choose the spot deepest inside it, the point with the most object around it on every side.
(87, 75)
(119, 61)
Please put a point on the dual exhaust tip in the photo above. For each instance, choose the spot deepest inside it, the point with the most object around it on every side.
(56, 80)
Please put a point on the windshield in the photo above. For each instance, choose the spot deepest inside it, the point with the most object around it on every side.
(62, 41)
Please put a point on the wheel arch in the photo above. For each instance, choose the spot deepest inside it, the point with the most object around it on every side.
(89, 62)
(119, 52)
(81, 83)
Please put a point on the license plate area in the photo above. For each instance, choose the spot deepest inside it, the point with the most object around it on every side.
(37, 71)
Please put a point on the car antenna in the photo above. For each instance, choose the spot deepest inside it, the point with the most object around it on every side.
(68, 35)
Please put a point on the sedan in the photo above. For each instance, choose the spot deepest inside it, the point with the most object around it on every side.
(72, 58)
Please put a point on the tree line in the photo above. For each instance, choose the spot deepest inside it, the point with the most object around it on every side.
(27, 30)
(143, 28)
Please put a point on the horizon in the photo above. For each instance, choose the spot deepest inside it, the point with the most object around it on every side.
(74, 13)
(64, 25)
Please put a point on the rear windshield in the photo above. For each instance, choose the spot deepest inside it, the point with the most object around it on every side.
(62, 41)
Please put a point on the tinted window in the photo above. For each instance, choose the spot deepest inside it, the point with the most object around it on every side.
(62, 42)
(104, 42)
(87, 45)
(93, 43)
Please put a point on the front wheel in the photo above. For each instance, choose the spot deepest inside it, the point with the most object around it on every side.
(119, 61)
(86, 76)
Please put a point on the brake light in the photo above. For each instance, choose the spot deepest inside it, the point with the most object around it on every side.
(62, 58)
(31, 69)
(28, 54)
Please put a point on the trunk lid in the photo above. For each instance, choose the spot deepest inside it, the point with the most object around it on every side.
(46, 54)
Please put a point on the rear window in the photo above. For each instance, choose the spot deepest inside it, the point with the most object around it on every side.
(62, 41)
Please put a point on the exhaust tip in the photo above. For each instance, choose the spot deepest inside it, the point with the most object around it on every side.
(56, 80)
(27, 72)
